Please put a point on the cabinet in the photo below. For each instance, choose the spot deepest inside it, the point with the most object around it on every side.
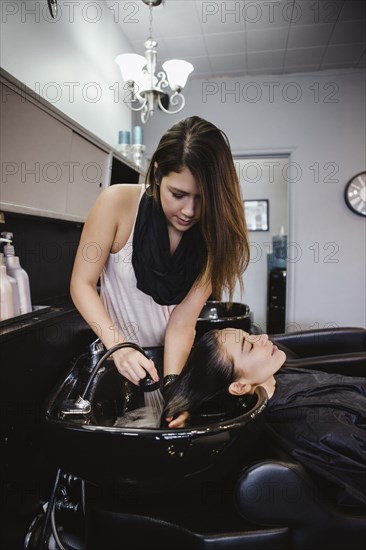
(88, 173)
(51, 166)
(34, 149)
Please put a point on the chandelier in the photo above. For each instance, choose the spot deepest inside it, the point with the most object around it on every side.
(145, 89)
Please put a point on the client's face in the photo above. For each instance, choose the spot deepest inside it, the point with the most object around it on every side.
(256, 358)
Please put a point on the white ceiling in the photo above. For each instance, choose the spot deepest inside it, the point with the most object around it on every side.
(247, 37)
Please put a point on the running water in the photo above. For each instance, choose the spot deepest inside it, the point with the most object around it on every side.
(143, 417)
(154, 401)
(153, 397)
(148, 416)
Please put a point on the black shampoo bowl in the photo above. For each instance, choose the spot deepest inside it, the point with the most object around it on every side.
(219, 315)
(88, 444)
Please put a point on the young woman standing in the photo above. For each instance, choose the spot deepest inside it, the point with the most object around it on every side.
(160, 252)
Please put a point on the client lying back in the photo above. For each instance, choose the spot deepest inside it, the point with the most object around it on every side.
(319, 418)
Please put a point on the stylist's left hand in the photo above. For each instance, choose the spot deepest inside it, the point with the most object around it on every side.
(179, 421)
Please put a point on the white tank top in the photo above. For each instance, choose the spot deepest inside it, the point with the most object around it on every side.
(137, 316)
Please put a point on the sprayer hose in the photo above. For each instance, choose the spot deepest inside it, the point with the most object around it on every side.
(107, 354)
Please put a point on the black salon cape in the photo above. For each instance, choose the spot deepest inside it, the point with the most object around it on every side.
(320, 419)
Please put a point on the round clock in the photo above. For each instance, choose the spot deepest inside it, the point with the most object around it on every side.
(355, 194)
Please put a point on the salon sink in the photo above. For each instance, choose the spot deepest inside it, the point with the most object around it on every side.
(87, 443)
(271, 501)
(219, 315)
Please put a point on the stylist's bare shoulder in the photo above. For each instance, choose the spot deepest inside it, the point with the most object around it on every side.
(120, 202)
(120, 197)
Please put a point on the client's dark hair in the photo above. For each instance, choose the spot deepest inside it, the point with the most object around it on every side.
(208, 372)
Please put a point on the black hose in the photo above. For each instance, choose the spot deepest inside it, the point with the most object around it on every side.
(105, 357)
(50, 506)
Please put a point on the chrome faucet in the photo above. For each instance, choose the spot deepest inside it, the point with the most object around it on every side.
(96, 349)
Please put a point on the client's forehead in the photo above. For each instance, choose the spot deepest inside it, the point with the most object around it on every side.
(231, 335)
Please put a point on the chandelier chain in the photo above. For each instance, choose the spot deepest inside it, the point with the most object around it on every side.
(150, 20)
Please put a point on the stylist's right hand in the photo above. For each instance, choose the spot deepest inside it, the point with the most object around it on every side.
(132, 365)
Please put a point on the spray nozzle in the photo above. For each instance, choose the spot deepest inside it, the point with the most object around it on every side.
(147, 384)
(5, 240)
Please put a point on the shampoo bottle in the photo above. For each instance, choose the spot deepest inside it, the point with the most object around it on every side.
(15, 289)
(279, 243)
(6, 293)
(14, 284)
(15, 270)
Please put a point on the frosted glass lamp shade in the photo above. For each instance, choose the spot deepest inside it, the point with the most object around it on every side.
(177, 71)
(131, 65)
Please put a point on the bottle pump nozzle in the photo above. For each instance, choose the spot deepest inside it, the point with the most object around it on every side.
(7, 236)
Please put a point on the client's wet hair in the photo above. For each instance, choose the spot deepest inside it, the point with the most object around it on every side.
(208, 372)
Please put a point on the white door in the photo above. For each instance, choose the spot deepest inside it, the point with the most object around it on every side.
(262, 178)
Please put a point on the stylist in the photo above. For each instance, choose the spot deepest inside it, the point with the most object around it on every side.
(161, 251)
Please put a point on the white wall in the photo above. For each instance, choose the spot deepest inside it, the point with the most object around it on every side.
(69, 61)
(319, 119)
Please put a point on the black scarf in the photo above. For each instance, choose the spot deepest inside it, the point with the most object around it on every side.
(166, 277)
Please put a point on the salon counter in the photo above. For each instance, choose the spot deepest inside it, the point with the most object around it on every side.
(35, 352)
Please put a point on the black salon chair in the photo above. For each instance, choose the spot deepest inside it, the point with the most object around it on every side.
(339, 350)
(278, 491)
(282, 494)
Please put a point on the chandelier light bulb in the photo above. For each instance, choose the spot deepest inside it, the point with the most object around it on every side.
(131, 65)
(177, 71)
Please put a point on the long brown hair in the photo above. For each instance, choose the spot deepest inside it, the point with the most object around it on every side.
(198, 145)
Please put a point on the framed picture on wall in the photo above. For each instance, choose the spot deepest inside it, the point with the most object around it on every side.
(257, 214)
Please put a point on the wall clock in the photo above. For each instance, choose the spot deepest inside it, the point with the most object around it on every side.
(355, 194)
(52, 6)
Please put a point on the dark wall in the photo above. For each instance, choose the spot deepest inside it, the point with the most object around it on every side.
(46, 249)
(34, 359)
(36, 353)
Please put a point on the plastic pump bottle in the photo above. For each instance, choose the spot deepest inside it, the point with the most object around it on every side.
(15, 270)
(14, 284)
(6, 293)
(279, 243)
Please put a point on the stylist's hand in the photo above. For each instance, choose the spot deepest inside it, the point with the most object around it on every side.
(179, 421)
(132, 365)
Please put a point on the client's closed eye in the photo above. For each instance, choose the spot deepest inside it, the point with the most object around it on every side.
(246, 345)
